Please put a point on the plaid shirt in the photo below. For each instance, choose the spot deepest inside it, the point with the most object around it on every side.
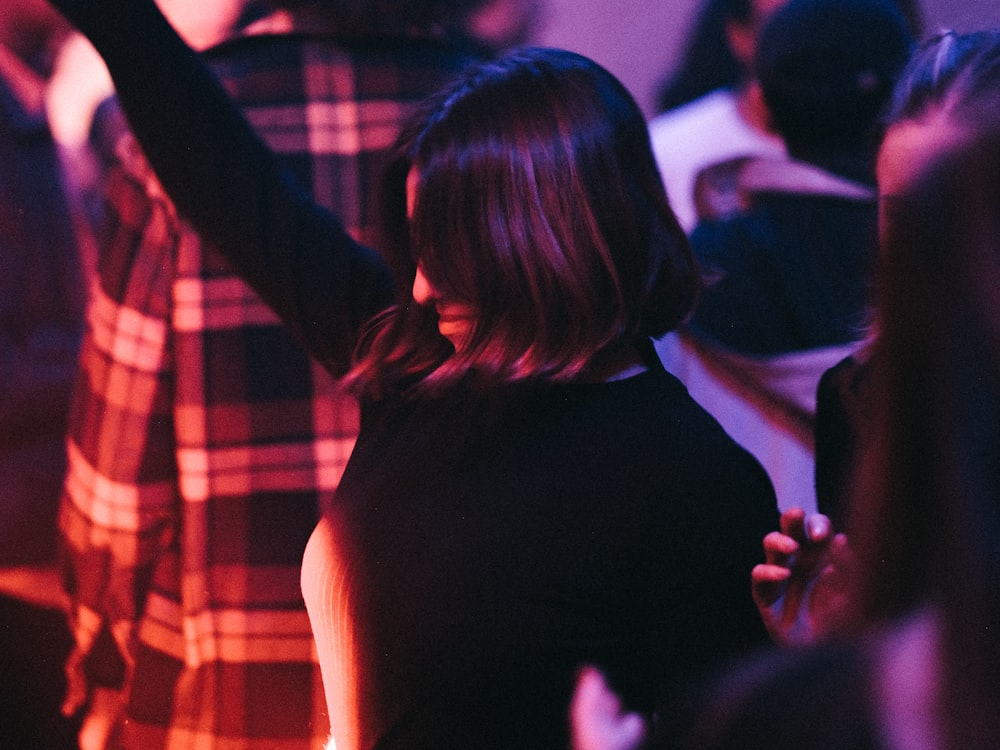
(203, 441)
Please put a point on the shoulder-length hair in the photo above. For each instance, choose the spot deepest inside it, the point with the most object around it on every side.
(538, 204)
(937, 254)
(926, 518)
(925, 515)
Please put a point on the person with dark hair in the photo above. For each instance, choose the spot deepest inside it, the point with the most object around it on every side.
(921, 603)
(204, 442)
(826, 71)
(947, 82)
(791, 250)
(845, 404)
(714, 110)
(707, 62)
(908, 656)
(528, 485)
(729, 121)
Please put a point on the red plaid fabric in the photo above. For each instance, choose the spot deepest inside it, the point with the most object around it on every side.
(203, 442)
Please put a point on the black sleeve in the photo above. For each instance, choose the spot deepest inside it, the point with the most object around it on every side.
(842, 403)
(224, 180)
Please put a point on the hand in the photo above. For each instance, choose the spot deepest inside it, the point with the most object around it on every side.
(105, 707)
(77, 686)
(596, 717)
(103, 720)
(800, 590)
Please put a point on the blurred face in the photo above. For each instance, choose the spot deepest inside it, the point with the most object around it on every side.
(505, 23)
(743, 36)
(907, 148)
(762, 10)
(455, 319)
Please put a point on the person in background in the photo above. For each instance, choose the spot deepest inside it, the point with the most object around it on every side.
(707, 62)
(504, 24)
(712, 108)
(948, 80)
(911, 654)
(895, 632)
(790, 254)
(204, 442)
(42, 297)
(527, 479)
(729, 121)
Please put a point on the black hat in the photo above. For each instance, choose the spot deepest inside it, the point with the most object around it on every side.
(827, 67)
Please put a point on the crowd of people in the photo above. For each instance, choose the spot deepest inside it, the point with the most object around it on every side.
(377, 440)
(896, 617)
(790, 240)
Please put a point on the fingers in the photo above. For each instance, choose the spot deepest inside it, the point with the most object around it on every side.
(779, 548)
(597, 719)
(818, 527)
(765, 574)
(803, 526)
(840, 550)
(798, 531)
(803, 550)
(767, 584)
(103, 720)
(791, 522)
(592, 693)
(629, 732)
(76, 685)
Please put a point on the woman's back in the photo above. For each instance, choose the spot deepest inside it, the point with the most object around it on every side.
(519, 535)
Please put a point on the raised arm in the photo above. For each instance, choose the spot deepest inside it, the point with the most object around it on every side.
(224, 180)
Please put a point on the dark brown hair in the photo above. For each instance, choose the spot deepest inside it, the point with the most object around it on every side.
(540, 206)
(926, 515)
(936, 254)
(827, 69)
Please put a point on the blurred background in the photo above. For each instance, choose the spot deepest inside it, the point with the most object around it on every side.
(640, 41)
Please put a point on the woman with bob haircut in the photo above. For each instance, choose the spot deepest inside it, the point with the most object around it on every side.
(529, 486)
(550, 225)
